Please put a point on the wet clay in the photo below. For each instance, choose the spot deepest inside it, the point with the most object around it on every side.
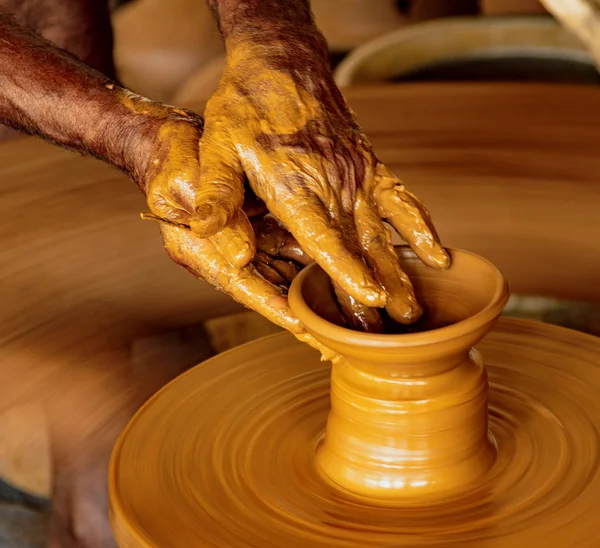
(408, 420)
(316, 171)
(232, 452)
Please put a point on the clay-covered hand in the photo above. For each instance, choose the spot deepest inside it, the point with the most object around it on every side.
(226, 258)
(279, 122)
(280, 258)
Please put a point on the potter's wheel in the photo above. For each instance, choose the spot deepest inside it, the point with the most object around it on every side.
(224, 455)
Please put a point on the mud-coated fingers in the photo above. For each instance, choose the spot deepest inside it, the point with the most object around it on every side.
(220, 192)
(276, 241)
(236, 241)
(170, 181)
(277, 271)
(336, 252)
(358, 316)
(402, 305)
(253, 206)
(409, 217)
(245, 285)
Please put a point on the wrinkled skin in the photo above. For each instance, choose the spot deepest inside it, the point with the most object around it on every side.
(305, 157)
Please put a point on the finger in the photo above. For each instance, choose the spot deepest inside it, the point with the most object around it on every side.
(253, 206)
(292, 251)
(276, 271)
(358, 316)
(402, 305)
(275, 240)
(220, 193)
(236, 241)
(246, 286)
(337, 253)
(261, 263)
(270, 235)
(409, 217)
(204, 260)
(171, 182)
(286, 269)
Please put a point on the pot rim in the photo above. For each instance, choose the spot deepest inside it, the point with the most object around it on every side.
(318, 326)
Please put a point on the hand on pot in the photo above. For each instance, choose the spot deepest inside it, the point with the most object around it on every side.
(278, 121)
(254, 259)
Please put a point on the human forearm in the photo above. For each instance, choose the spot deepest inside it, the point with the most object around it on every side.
(268, 21)
(47, 92)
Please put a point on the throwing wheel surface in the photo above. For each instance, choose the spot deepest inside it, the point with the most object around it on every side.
(224, 455)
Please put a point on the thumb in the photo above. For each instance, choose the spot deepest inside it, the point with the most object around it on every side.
(220, 193)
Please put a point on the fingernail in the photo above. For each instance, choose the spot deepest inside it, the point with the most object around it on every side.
(242, 256)
(405, 312)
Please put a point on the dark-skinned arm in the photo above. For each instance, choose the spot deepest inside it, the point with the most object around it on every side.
(48, 92)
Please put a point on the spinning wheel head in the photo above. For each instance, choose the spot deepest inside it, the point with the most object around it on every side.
(256, 447)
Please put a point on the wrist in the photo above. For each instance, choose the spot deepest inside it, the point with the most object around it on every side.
(268, 23)
(132, 135)
(126, 131)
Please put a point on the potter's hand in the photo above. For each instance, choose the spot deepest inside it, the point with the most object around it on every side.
(232, 259)
(279, 258)
(59, 98)
(262, 284)
(279, 120)
(254, 260)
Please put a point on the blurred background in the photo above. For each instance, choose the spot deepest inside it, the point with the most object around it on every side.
(487, 109)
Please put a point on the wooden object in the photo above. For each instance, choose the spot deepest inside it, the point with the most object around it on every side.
(582, 18)
(348, 23)
(25, 449)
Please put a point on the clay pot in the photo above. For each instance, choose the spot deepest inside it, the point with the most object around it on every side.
(414, 48)
(159, 45)
(409, 419)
